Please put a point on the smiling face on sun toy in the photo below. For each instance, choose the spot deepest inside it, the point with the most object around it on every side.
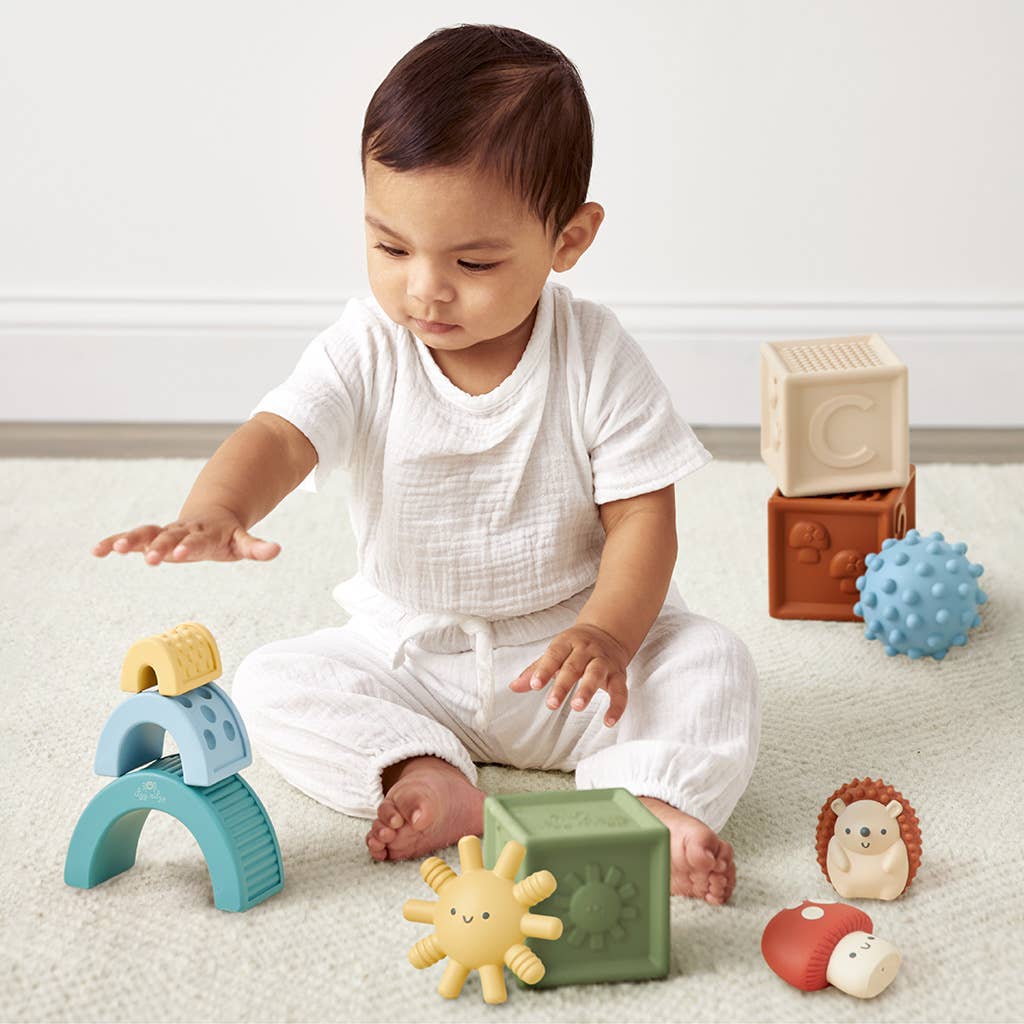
(482, 919)
(477, 919)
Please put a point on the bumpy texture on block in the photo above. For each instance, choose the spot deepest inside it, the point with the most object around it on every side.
(834, 415)
(817, 547)
(175, 662)
(610, 855)
(919, 595)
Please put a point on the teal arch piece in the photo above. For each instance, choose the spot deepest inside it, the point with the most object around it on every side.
(227, 819)
(204, 723)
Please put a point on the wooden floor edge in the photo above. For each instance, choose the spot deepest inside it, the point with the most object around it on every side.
(21, 440)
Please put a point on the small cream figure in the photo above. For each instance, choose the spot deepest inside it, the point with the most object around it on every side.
(481, 919)
(869, 841)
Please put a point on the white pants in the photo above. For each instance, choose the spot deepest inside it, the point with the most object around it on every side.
(332, 709)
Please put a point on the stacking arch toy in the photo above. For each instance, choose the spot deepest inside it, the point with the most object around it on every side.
(170, 679)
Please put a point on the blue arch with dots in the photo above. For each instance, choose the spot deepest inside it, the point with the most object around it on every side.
(204, 724)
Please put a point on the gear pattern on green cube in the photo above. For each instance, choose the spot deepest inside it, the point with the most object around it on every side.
(611, 858)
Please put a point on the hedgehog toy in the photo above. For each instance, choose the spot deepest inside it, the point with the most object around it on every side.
(868, 841)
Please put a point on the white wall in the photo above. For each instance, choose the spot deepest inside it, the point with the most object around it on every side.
(181, 201)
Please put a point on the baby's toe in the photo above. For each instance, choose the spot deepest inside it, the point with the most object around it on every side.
(716, 889)
(388, 814)
(415, 808)
(405, 846)
(378, 849)
(699, 857)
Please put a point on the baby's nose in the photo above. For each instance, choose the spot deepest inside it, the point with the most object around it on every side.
(865, 831)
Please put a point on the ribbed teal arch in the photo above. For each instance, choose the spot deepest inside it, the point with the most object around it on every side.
(227, 819)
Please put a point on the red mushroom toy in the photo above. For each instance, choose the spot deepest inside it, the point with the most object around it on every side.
(818, 943)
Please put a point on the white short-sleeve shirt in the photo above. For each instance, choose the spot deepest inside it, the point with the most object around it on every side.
(487, 504)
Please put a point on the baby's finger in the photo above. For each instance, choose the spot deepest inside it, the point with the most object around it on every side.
(565, 679)
(195, 545)
(593, 680)
(550, 662)
(130, 540)
(618, 696)
(248, 546)
(521, 684)
(161, 546)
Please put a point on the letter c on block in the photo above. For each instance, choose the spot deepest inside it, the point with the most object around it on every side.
(818, 425)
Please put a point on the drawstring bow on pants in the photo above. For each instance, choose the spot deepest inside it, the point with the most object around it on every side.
(482, 633)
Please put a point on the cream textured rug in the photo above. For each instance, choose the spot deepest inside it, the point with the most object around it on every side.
(331, 946)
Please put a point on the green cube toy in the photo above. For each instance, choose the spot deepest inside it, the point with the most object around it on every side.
(610, 856)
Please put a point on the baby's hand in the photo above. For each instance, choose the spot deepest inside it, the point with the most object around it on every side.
(216, 536)
(581, 653)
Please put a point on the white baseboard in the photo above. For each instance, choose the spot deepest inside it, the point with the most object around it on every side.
(182, 359)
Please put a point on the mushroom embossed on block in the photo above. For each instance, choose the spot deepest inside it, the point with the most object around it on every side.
(817, 943)
(868, 841)
(818, 548)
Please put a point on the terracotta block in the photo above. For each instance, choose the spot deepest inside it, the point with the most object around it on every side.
(834, 415)
(817, 546)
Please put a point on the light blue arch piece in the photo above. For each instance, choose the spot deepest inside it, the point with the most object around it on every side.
(204, 723)
(227, 819)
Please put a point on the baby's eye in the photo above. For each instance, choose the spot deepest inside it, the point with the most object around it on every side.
(476, 268)
(883, 831)
(847, 831)
(453, 910)
(485, 915)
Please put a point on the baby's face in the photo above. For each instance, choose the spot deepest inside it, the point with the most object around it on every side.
(421, 267)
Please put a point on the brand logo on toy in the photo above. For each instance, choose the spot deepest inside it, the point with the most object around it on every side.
(567, 821)
(149, 792)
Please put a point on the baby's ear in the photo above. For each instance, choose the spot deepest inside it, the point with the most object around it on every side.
(838, 806)
(894, 808)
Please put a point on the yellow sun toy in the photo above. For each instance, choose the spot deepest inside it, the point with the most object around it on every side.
(481, 919)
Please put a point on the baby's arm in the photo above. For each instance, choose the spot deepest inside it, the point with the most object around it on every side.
(633, 578)
(260, 463)
(636, 567)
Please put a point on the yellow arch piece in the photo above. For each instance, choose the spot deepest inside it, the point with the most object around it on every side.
(174, 662)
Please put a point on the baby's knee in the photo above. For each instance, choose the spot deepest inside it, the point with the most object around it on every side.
(698, 635)
(717, 653)
(258, 681)
(736, 656)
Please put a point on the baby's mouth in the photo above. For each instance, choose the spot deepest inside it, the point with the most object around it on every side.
(865, 845)
(466, 919)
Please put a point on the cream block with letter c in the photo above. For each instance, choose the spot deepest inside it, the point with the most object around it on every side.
(834, 415)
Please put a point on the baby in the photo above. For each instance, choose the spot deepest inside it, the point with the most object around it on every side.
(513, 456)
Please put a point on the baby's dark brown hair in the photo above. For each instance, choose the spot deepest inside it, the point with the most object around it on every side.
(492, 99)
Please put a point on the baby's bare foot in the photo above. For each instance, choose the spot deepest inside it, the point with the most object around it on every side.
(428, 804)
(702, 864)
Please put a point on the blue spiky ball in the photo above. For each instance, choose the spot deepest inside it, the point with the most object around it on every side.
(919, 595)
